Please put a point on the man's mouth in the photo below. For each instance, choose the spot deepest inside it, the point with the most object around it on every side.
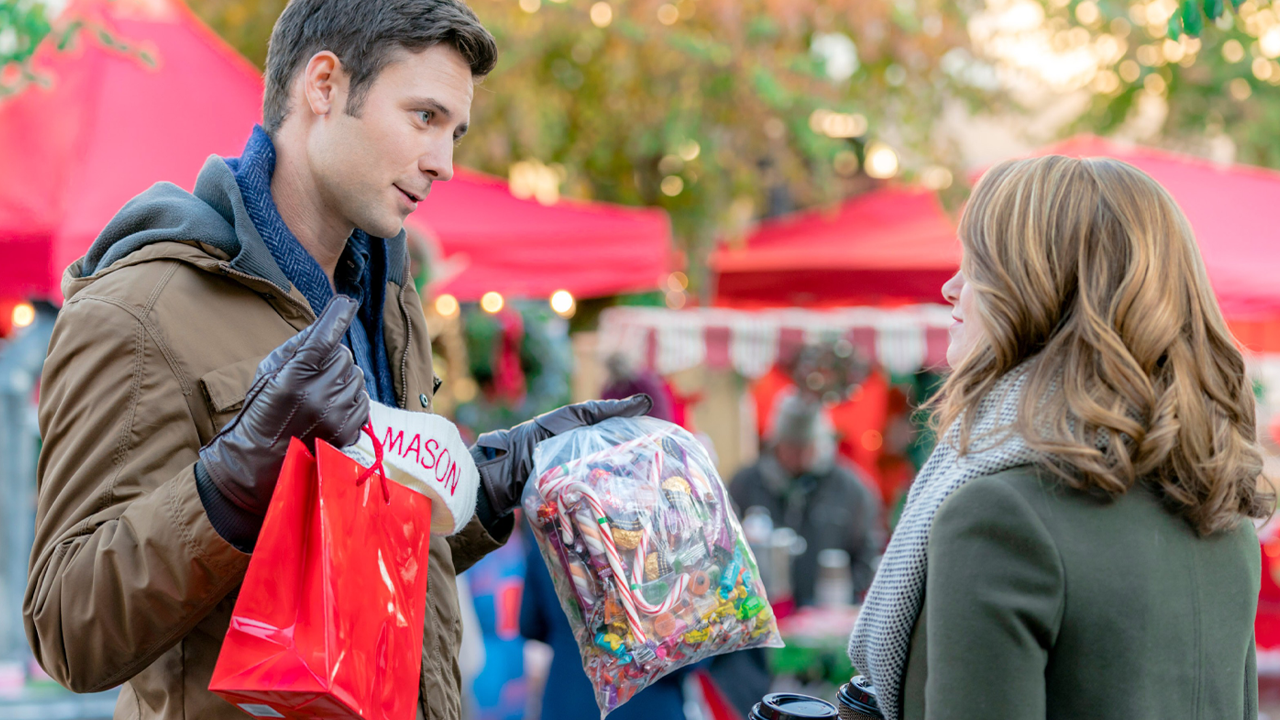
(412, 198)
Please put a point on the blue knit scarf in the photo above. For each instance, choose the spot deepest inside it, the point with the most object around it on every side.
(361, 272)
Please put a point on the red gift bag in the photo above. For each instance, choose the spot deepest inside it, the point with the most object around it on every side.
(329, 619)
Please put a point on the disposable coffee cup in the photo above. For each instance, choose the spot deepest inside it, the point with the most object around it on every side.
(791, 706)
(857, 700)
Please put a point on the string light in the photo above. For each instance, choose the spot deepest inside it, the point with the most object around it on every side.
(1106, 82)
(601, 14)
(882, 161)
(446, 305)
(1232, 51)
(689, 150)
(491, 302)
(837, 125)
(23, 315)
(563, 304)
(872, 440)
(936, 177)
(672, 185)
(1261, 69)
(531, 179)
(1269, 43)
(677, 281)
(1087, 12)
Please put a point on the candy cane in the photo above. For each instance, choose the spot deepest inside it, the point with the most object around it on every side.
(637, 569)
(605, 545)
(558, 482)
(620, 574)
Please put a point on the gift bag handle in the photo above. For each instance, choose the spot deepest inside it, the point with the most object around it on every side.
(377, 464)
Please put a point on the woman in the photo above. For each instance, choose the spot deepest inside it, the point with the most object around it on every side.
(1079, 545)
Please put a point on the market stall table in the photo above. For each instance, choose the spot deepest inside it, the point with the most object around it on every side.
(816, 652)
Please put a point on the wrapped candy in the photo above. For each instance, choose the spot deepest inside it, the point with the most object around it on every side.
(645, 552)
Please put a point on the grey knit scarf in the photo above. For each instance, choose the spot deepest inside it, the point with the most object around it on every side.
(882, 636)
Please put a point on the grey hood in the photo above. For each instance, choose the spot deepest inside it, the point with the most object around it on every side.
(212, 215)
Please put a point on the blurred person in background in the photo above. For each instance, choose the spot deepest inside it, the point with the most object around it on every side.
(800, 483)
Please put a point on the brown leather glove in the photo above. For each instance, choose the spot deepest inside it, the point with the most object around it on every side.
(307, 388)
(505, 457)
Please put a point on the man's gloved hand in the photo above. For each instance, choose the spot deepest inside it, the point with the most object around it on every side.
(308, 388)
(504, 475)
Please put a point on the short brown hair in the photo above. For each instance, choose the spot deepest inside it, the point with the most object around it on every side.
(364, 34)
(1088, 271)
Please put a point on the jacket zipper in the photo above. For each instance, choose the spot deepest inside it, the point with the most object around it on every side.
(408, 343)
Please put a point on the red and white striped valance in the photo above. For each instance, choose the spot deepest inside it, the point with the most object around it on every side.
(902, 339)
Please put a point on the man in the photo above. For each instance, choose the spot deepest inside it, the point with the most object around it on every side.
(189, 351)
(799, 482)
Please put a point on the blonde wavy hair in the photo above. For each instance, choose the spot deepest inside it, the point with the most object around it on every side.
(1088, 271)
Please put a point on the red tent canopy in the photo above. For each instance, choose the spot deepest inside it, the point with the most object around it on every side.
(890, 246)
(524, 249)
(109, 125)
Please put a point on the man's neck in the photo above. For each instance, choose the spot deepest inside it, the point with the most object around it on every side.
(302, 206)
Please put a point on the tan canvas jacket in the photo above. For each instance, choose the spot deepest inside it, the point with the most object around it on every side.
(129, 583)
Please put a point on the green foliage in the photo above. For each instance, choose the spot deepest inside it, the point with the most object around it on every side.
(23, 25)
(736, 79)
(28, 24)
(537, 341)
(245, 24)
(1219, 79)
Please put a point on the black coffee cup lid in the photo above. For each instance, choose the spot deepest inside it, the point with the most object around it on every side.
(791, 706)
(858, 693)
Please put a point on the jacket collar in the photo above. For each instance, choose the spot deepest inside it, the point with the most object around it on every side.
(208, 227)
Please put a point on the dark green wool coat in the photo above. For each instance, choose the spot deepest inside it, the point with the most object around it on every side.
(1044, 602)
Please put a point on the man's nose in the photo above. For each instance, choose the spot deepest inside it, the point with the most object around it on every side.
(437, 161)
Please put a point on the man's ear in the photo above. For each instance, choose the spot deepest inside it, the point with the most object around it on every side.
(324, 84)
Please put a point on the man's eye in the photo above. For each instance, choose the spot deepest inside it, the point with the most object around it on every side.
(426, 115)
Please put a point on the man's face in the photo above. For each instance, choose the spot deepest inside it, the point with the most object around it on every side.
(374, 169)
(794, 457)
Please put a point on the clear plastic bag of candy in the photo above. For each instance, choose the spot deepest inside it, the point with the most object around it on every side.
(645, 552)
